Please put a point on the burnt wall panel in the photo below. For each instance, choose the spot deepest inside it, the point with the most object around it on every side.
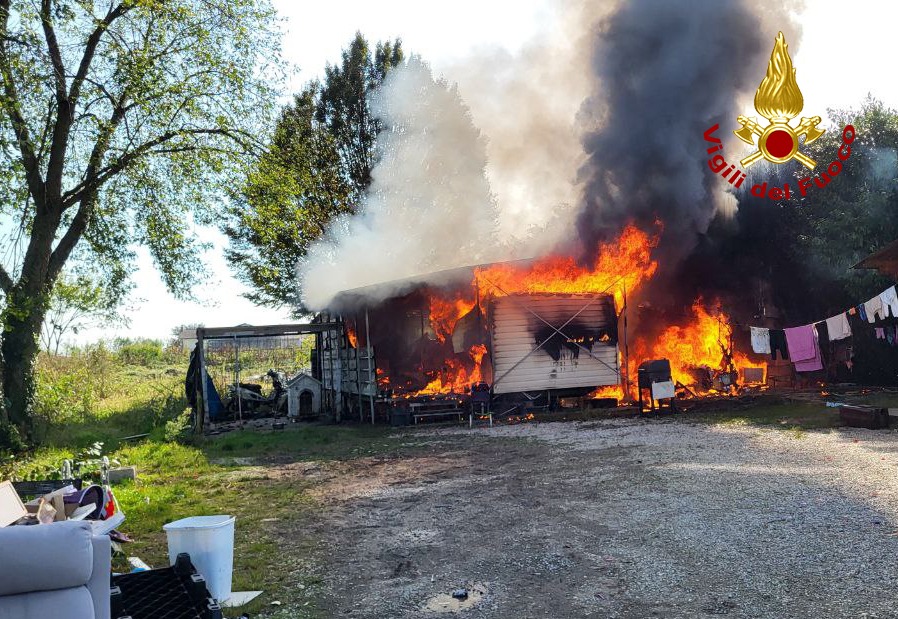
(585, 354)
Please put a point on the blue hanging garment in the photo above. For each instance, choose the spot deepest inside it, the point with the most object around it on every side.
(216, 408)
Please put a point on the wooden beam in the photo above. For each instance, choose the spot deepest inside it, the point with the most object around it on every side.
(219, 333)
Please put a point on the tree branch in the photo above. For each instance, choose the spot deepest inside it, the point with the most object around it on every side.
(67, 103)
(90, 48)
(6, 283)
(53, 48)
(12, 107)
(71, 237)
(73, 196)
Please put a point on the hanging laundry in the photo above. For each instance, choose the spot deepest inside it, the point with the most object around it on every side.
(823, 341)
(880, 333)
(862, 312)
(838, 327)
(778, 343)
(852, 311)
(804, 349)
(801, 342)
(811, 365)
(873, 309)
(760, 340)
(889, 298)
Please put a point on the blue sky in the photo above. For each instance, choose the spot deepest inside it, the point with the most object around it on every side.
(840, 58)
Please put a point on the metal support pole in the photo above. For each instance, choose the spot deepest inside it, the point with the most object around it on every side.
(371, 378)
(237, 380)
(333, 390)
(201, 349)
(626, 348)
(422, 345)
(358, 368)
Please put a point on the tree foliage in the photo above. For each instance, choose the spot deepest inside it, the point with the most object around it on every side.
(121, 121)
(77, 302)
(317, 168)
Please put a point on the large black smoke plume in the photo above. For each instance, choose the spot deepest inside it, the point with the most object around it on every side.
(664, 73)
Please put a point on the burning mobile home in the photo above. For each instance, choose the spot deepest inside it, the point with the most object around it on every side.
(538, 330)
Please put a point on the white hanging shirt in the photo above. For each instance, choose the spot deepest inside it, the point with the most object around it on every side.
(873, 309)
(889, 298)
(837, 327)
(760, 340)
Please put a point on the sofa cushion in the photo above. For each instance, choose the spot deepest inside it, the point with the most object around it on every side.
(101, 579)
(44, 557)
(66, 603)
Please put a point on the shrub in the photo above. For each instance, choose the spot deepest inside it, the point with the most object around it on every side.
(146, 353)
(65, 390)
(179, 429)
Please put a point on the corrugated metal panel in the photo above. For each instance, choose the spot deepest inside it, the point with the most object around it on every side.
(516, 329)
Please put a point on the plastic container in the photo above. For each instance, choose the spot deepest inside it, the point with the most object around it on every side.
(209, 540)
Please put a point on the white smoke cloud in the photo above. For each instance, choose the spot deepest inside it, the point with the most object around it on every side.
(527, 103)
(585, 128)
(429, 206)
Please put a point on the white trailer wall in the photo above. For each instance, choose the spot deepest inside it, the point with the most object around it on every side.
(520, 365)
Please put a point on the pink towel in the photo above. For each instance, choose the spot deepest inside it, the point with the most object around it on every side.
(802, 343)
(804, 350)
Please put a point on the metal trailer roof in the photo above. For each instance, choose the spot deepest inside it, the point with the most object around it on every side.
(885, 261)
(520, 363)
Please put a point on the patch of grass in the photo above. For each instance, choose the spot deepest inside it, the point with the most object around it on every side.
(885, 400)
(796, 433)
(104, 392)
(793, 416)
(175, 481)
(303, 442)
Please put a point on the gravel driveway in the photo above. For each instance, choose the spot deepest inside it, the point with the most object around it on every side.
(624, 518)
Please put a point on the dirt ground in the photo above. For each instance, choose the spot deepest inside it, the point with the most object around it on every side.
(622, 518)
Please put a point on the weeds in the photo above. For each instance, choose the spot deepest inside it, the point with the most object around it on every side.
(106, 393)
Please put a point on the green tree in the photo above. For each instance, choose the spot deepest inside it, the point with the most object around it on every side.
(804, 247)
(317, 168)
(122, 122)
(343, 105)
(854, 214)
(76, 303)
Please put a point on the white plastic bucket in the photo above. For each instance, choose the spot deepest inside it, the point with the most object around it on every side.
(209, 540)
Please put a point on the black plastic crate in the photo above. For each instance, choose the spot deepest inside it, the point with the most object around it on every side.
(29, 489)
(176, 592)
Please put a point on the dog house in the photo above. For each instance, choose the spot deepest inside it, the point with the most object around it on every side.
(303, 396)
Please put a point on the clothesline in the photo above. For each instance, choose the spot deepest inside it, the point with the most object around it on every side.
(876, 307)
(802, 344)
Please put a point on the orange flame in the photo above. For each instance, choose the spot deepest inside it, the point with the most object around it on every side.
(445, 313)
(693, 345)
(622, 265)
(703, 342)
(455, 376)
(610, 391)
